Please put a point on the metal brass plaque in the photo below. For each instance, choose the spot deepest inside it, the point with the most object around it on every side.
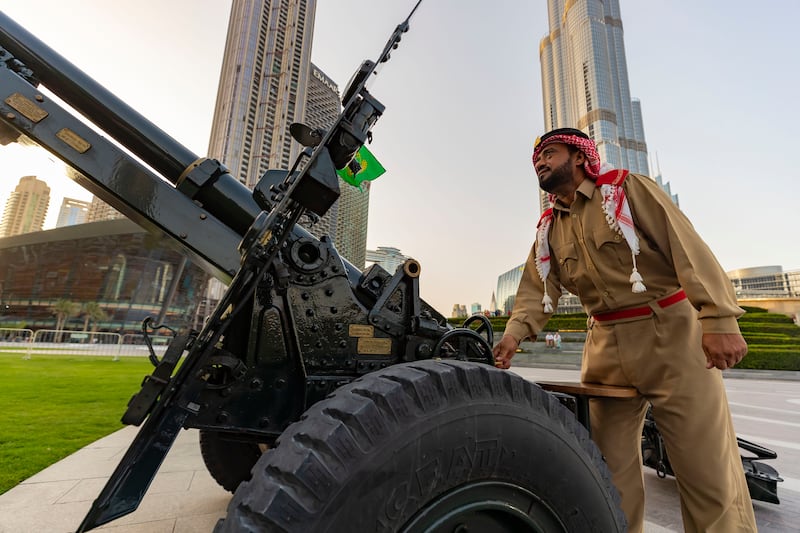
(367, 345)
(74, 140)
(358, 330)
(26, 108)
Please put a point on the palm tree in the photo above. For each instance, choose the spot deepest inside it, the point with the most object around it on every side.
(92, 312)
(64, 309)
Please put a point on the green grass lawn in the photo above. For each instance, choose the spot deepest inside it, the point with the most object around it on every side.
(51, 406)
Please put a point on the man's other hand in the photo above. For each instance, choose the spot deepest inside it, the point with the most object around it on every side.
(504, 351)
(723, 350)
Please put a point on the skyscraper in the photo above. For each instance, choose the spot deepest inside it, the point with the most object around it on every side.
(262, 90)
(99, 210)
(267, 82)
(72, 212)
(26, 207)
(262, 86)
(585, 80)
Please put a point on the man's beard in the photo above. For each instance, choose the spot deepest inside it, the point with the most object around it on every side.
(558, 177)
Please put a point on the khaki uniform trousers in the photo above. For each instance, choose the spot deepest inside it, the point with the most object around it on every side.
(662, 357)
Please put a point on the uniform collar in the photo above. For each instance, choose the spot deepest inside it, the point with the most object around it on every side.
(585, 188)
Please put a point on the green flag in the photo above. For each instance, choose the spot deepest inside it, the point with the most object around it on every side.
(370, 168)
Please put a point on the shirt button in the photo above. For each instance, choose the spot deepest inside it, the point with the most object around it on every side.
(605, 293)
(574, 215)
(616, 238)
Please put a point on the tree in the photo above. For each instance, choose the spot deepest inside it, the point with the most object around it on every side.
(92, 312)
(64, 309)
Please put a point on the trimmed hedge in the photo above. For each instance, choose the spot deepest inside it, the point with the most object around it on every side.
(770, 358)
(769, 327)
(770, 318)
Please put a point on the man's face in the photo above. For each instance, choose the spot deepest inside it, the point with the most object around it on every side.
(554, 167)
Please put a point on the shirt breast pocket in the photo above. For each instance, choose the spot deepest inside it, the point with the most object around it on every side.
(612, 248)
(566, 257)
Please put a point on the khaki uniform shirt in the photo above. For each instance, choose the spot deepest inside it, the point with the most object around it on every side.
(594, 262)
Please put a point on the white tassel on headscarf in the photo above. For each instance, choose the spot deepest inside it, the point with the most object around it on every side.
(547, 301)
(543, 255)
(619, 218)
(636, 279)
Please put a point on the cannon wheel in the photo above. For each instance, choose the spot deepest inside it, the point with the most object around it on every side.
(431, 446)
(228, 460)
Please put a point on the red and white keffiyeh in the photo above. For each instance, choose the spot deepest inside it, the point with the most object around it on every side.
(584, 144)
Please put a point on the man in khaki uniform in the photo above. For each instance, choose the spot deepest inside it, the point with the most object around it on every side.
(663, 320)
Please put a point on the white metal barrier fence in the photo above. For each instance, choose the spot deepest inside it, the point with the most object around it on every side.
(27, 343)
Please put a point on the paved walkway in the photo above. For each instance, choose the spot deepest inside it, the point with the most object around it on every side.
(183, 497)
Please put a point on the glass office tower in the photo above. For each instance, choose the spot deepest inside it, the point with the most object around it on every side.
(585, 80)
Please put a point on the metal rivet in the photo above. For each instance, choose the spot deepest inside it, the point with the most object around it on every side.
(39, 98)
(203, 216)
(10, 116)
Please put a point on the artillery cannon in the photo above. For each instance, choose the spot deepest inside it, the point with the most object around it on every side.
(374, 412)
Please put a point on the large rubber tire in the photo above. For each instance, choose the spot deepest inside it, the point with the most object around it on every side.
(431, 446)
(229, 461)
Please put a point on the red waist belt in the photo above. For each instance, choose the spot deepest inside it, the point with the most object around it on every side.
(645, 310)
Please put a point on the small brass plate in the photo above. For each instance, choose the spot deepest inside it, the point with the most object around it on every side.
(26, 108)
(358, 330)
(74, 140)
(367, 345)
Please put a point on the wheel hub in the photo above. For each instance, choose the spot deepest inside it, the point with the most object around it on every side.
(486, 506)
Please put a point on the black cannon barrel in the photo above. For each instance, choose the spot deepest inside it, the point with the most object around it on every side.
(223, 195)
(163, 153)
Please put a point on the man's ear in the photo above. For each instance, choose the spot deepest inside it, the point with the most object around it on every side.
(580, 158)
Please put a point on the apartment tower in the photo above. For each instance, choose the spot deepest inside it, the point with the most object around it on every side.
(26, 207)
(72, 212)
(585, 81)
(262, 86)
